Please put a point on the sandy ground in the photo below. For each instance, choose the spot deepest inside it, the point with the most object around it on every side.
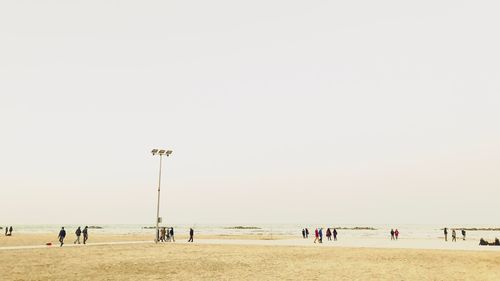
(244, 262)
(35, 239)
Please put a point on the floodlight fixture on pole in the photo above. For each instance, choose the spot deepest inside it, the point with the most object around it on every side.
(167, 153)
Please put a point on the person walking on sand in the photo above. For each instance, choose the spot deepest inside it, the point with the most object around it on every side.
(396, 233)
(453, 236)
(334, 234)
(85, 234)
(445, 234)
(307, 233)
(172, 234)
(78, 232)
(316, 234)
(328, 234)
(163, 233)
(191, 234)
(62, 235)
(320, 235)
(6, 230)
(10, 231)
(392, 234)
(303, 233)
(463, 234)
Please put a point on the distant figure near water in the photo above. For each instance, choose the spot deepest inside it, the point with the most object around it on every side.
(316, 235)
(172, 234)
(463, 234)
(396, 233)
(320, 235)
(191, 234)
(303, 233)
(10, 231)
(445, 234)
(6, 230)
(328, 234)
(453, 236)
(85, 234)
(307, 233)
(62, 235)
(78, 232)
(163, 232)
(392, 234)
(334, 234)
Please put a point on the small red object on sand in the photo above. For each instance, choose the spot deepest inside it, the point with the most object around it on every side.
(48, 244)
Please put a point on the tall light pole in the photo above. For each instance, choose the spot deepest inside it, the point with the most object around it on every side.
(160, 152)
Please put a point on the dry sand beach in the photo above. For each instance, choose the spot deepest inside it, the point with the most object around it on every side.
(220, 258)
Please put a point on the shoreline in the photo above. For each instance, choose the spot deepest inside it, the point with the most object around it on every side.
(38, 241)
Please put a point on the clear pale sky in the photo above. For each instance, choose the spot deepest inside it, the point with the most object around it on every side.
(277, 111)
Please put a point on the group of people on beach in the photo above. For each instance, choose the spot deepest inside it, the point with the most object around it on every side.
(394, 234)
(318, 234)
(79, 232)
(8, 231)
(453, 234)
(167, 234)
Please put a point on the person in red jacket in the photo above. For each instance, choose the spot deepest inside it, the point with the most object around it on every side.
(316, 234)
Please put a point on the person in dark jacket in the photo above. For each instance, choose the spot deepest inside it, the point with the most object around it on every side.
(328, 234)
(78, 232)
(303, 233)
(172, 234)
(10, 231)
(334, 234)
(85, 234)
(463, 234)
(392, 234)
(191, 234)
(307, 233)
(62, 235)
(445, 234)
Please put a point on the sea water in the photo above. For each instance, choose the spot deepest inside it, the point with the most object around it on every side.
(382, 231)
